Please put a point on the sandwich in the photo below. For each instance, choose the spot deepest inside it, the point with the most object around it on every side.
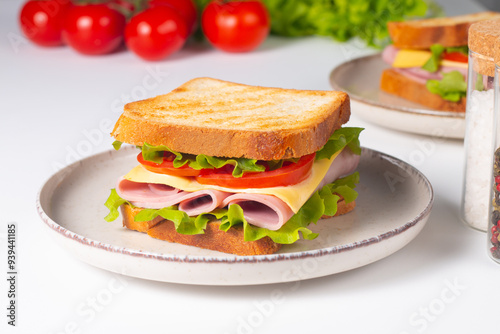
(428, 60)
(236, 168)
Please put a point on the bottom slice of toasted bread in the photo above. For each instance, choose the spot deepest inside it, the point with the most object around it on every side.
(214, 239)
(398, 84)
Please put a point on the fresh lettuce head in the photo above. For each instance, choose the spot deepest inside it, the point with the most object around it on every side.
(343, 19)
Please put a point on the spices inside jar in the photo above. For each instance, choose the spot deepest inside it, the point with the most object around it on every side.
(494, 229)
(493, 239)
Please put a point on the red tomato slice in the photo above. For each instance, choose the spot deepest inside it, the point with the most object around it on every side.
(289, 174)
(456, 56)
(167, 166)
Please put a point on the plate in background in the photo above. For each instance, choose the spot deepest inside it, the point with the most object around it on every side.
(360, 78)
(393, 205)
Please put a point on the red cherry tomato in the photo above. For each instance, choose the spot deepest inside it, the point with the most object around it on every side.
(456, 56)
(94, 29)
(167, 166)
(235, 26)
(186, 8)
(156, 33)
(42, 21)
(289, 174)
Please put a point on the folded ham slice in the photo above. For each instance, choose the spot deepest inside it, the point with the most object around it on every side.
(157, 196)
(202, 201)
(260, 210)
(345, 164)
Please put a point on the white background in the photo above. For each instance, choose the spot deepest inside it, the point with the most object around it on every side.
(51, 99)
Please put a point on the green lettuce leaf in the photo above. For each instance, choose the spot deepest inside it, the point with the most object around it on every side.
(437, 50)
(240, 164)
(432, 65)
(113, 203)
(201, 161)
(323, 201)
(451, 88)
(155, 153)
(348, 136)
(462, 49)
(338, 140)
(117, 144)
(182, 222)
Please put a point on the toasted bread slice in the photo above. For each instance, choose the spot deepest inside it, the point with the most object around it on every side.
(447, 31)
(214, 239)
(396, 83)
(220, 118)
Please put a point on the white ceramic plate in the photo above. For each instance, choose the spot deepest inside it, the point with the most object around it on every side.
(360, 78)
(393, 206)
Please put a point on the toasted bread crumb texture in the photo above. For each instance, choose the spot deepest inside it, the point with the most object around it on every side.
(395, 83)
(219, 118)
(448, 31)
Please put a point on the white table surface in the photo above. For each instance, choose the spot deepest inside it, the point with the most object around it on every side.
(443, 281)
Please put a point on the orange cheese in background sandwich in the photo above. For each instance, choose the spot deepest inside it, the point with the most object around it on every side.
(417, 58)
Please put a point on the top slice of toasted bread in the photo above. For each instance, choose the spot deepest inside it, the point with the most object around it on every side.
(220, 118)
(447, 31)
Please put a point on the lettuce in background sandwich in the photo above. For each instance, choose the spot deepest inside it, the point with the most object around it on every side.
(428, 60)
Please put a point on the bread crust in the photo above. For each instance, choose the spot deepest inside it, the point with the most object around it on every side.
(396, 83)
(447, 31)
(214, 239)
(342, 208)
(271, 125)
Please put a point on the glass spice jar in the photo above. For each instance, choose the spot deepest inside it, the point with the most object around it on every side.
(493, 240)
(479, 128)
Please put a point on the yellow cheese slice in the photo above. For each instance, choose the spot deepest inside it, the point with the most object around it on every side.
(295, 196)
(454, 64)
(417, 58)
(411, 58)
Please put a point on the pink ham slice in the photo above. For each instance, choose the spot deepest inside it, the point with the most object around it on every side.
(348, 164)
(417, 73)
(260, 210)
(202, 201)
(157, 196)
(163, 189)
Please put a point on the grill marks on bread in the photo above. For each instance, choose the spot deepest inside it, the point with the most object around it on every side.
(219, 118)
